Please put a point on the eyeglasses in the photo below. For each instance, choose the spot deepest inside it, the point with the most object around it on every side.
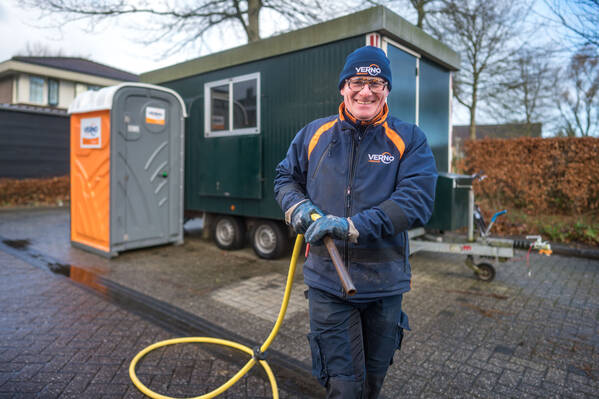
(376, 86)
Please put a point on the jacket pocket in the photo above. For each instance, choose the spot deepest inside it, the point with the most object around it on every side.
(322, 157)
(318, 369)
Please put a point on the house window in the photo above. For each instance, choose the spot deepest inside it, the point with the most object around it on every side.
(93, 87)
(232, 106)
(36, 90)
(52, 92)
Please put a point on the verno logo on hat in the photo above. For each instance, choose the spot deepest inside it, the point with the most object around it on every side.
(372, 70)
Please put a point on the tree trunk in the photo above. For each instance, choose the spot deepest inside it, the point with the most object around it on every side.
(254, 7)
(473, 116)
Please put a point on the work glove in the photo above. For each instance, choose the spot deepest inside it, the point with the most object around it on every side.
(301, 218)
(330, 225)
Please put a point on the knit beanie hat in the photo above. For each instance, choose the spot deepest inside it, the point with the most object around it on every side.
(366, 61)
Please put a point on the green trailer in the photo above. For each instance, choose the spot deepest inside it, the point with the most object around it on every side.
(246, 104)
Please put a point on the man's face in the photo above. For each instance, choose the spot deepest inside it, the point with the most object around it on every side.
(364, 104)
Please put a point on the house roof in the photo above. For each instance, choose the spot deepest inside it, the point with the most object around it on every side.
(505, 131)
(80, 65)
(373, 20)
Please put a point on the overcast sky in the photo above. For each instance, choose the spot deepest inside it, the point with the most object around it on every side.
(116, 46)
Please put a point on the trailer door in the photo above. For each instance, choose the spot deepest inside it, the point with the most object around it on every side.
(403, 98)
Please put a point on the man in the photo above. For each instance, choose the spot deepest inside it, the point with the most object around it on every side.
(371, 177)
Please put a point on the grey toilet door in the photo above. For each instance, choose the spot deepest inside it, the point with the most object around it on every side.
(146, 129)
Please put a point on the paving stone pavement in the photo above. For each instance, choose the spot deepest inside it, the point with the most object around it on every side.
(533, 332)
(522, 335)
(59, 340)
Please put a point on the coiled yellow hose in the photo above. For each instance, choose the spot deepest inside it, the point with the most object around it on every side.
(243, 348)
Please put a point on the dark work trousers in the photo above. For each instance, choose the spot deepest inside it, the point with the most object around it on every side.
(353, 343)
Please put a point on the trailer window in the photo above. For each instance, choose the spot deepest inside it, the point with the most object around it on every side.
(232, 106)
(219, 111)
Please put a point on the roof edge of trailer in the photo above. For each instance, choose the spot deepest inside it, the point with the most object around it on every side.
(373, 20)
(100, 100)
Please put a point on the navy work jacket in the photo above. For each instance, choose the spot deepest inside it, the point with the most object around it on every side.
(382, 177)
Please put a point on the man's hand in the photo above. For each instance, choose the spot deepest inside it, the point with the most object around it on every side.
(333, 226)
(301, 218)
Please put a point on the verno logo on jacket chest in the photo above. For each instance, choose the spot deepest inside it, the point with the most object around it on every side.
(385, 158)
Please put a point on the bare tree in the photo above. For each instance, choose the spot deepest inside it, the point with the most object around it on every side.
(183, 22)
(486, 34)
(525, 92)
(579, 98)
(580, 17)
(421, 8)
(39, 49)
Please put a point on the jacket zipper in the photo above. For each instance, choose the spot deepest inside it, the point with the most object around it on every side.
(352, 169)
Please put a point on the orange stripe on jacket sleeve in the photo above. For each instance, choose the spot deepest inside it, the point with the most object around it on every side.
(317, 135)
(395, 138)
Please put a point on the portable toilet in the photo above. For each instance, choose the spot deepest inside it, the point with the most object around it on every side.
(127, 146)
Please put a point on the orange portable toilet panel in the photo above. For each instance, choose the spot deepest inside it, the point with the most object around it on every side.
(90, 179)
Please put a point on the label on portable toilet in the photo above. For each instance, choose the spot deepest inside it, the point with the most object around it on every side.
(91, 133)
(155, 116)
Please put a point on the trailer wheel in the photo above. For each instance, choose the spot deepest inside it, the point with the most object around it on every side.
(269, 239)
(486, 272)
(228, 232)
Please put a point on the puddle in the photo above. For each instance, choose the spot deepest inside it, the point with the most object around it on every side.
(90, 277)
(17, 244)
(59, 268)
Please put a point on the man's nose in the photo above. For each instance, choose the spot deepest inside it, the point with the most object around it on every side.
(367, 88)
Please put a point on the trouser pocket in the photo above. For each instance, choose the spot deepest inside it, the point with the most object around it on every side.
(402, 324)
(318, 362)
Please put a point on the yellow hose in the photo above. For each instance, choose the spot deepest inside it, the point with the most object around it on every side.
(243, 348)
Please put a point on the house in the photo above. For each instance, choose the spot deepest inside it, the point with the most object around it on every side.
(35, 93)
(54, 81)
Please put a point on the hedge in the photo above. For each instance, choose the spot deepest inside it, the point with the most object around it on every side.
(538, 175)
(45, 191)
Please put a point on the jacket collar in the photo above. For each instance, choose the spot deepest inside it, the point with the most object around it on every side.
(344, 114)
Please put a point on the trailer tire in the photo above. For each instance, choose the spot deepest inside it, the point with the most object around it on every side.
(228, 232)
(487, 272)
(269, 239)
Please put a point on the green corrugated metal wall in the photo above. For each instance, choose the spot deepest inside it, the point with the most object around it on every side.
(434, 110)
(296, 88)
